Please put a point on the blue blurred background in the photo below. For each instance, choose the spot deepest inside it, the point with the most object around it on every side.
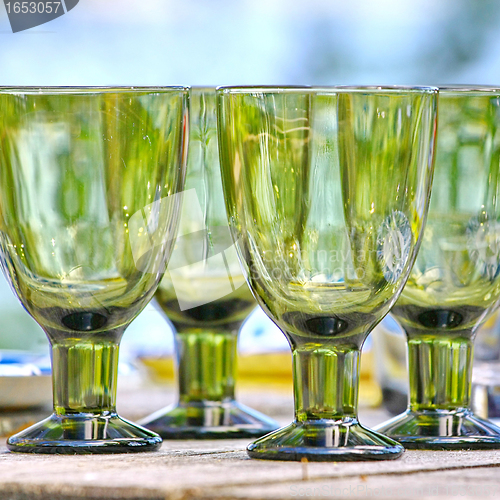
(257, 42)
(203, 42)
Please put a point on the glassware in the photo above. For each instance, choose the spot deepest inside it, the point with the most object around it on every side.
(204, 295)
(326, 191)
(455, 283)
(86, 226)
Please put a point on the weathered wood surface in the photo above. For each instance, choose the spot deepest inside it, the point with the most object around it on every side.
(221, 469)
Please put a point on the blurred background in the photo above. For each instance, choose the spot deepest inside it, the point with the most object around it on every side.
(216, 42)
(204, 42)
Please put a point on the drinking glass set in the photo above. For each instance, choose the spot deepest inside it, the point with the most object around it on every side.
(312, 202)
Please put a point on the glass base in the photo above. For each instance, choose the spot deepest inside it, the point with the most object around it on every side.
(324, 441)
(83, 433)
(442, 430)
(209, 420)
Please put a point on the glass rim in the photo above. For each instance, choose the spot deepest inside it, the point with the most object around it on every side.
(293, 89)
(84, 90)
(469, 89)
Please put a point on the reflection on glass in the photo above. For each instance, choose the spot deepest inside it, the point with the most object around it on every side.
(455, 283)
(77, 167)
(327, 192)
(205, 297)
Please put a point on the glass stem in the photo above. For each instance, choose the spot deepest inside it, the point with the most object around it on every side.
(206, 363)
(325, 383)
(440, 372)
(84, 376)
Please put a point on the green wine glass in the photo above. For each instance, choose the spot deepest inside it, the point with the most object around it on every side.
(326, 191)
(455, 283)
(88, 211)
(206, 299)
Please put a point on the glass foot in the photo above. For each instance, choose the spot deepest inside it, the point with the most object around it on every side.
(84, 433)
(209, 420)
(325, 440)
(442, 430)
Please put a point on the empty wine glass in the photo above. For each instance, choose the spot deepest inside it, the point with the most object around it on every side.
(326, 191)
(206, 299)
(455, 282)
(88, 210)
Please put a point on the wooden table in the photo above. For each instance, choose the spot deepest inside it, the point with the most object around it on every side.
(222, 470)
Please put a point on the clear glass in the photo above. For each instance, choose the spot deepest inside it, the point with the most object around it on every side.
(327, 192)
(206, 299)
(88, 213)
(455, 283)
